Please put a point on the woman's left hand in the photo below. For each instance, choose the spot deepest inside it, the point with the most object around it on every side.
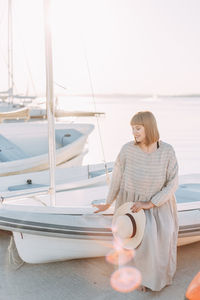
(137, 206)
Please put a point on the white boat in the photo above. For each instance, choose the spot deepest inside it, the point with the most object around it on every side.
(71, 230)
(27, 151)
(66, 178)
(20, 111)
(15, 114)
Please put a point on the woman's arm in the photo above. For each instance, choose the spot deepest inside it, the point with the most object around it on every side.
(171, 182)
(115, 182)
(137, 206)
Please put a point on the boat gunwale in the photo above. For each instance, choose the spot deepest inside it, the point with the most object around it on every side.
(75, 231)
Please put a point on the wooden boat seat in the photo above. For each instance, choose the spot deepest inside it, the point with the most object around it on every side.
(66, 136)
(9, 151)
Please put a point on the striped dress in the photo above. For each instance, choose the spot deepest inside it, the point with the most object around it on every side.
(141, 176)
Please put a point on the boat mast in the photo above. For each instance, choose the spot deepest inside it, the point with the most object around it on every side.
(50, 100)
(10, 54)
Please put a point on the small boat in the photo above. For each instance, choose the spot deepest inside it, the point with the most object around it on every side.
(18, 110)
(71, 230)
(66, 178)
(27, 151)
(17, 114)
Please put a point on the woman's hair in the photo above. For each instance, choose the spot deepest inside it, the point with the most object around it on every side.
(147, 119)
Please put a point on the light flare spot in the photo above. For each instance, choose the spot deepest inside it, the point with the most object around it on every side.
(120, 257)
(193, 291)
(126, 279)
(117, 244)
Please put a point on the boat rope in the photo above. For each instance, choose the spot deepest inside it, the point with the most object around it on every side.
(34, 197)
(10, 53)
(1, 200)
(19, 37)
(61, 86)
(13, 255)
(29, 71)
(38, 200)
(97, 118)
(6, 63)
(2, 14)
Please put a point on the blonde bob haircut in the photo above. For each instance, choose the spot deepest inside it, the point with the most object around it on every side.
(147, 119)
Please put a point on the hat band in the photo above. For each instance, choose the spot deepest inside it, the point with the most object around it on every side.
(133, 223)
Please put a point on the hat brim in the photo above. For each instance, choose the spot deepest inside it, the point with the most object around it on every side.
(140, 219)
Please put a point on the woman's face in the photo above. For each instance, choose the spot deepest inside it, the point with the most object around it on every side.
(139, 133)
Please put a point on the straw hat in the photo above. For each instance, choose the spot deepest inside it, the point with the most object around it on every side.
(128, 227)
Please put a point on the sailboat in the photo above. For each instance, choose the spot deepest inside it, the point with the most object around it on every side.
(11, 109)
(66, 178)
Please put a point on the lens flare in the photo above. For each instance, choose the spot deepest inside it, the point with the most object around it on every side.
(126, 279)
(193, 291)
(117, 244)
(120, 257)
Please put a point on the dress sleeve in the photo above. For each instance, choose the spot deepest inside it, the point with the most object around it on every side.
(171, 181)
(116, 178)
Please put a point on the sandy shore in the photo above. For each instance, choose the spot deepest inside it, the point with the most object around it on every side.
(84, 279)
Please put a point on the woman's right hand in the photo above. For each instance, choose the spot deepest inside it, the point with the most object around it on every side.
(101, 207)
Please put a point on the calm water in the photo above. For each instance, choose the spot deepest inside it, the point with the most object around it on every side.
(178, 121)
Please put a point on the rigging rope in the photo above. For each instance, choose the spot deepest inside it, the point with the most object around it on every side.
(4, 58)
(6, 63)
(19, 37)
(2, 15)
(97, 118)
(61, 86)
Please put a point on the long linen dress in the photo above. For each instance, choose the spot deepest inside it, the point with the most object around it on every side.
(141, 176)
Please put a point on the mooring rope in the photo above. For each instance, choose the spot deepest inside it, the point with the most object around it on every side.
(13, 255)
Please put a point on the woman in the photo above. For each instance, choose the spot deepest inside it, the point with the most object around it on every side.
(146, 173)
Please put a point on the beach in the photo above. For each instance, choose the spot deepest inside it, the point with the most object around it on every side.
(84, 278)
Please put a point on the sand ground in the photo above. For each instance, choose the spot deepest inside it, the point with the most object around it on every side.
(84, 279)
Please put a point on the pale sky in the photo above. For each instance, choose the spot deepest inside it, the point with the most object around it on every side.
(143, 46)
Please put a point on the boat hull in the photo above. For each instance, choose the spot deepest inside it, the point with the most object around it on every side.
(35, 249)
(60, 236)
(32, 140)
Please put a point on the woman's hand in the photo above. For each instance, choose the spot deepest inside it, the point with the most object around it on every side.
(101, 207)
(137, 206)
